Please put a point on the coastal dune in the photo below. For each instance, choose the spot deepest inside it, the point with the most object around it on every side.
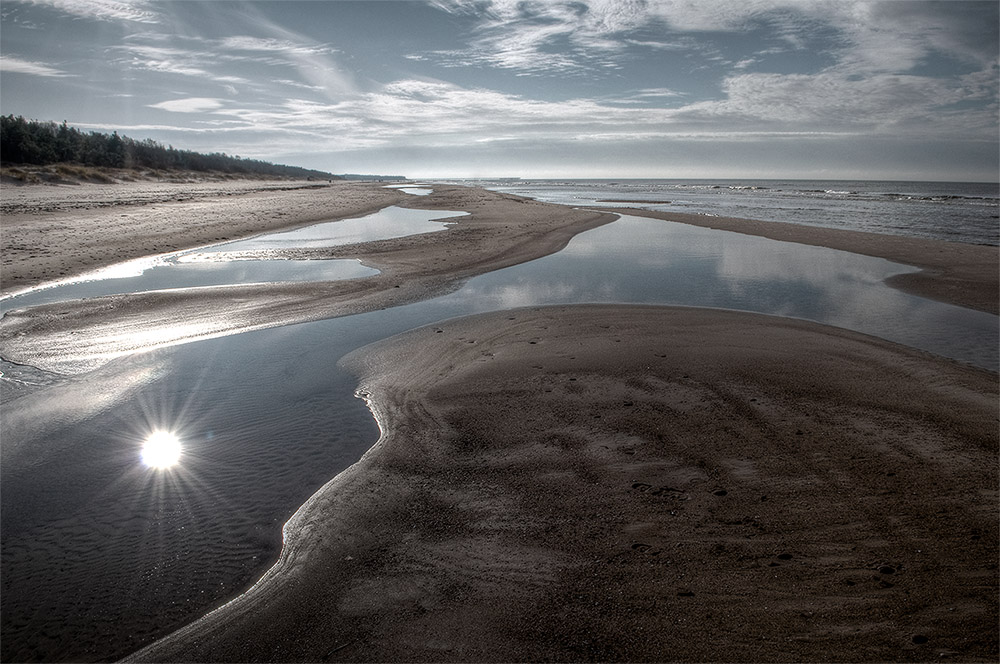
(626, 483)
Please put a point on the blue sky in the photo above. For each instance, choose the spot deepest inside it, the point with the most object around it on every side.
(480, 88)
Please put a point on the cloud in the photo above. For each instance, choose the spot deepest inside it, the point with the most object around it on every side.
(756, 107)
(166, 59)
(245, 43)
(658, 92)
(212, 59)
(138, 11)
(189, 105)
(519, 35)
(16, 65)
(557, 36)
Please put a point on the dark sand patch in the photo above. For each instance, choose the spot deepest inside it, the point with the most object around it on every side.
(641, 484)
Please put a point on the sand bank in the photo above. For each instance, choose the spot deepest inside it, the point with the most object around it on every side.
(625, 483)
(51, 233)
(73, 337)
(964, 274)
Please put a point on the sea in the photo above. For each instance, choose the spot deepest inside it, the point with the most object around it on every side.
(966, 212)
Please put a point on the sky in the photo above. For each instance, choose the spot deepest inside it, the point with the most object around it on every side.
(813, 89)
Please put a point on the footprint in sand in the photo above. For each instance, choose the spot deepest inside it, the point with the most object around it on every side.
(645, 548)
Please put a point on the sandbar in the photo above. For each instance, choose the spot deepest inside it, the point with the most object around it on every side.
(967, 275)
(624, 483)
(74, 337)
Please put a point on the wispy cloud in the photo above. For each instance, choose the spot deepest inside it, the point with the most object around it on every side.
(16, 65)
(519, 35)
(414, 112)
(245, 43)
(139, 11)
(189, 105)
(215, 59)
(561, 35)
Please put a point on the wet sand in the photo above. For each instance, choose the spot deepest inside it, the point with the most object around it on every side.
(620, 483)
(55, 232)
(581, 483)
(963, 274)
(74, 337)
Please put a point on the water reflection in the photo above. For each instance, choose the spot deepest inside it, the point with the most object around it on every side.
(250, 261)
(100, 554)
(386, 224)
(161, 449)
(647, 261)
(175, 272)
(416, 190)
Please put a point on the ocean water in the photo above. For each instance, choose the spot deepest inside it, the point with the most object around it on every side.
(966, 212)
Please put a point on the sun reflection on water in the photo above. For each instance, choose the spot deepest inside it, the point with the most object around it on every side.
(161, 449)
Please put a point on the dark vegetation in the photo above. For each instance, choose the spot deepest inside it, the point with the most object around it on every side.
(29, 142)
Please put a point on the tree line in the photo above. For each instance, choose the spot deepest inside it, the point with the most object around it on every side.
(31, 142)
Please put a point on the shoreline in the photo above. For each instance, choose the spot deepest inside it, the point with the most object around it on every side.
(447, 402)
(966, 275)
(544, 490)
(57, 232)
(500, 230)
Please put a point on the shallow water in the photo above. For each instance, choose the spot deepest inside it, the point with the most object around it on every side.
(649, 261)
(386, 224)
(248, 261)
(411, 189)
(173, 274)
(267, 417)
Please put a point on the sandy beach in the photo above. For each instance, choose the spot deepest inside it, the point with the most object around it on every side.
(500, 230)
(612, 483)
(593, 482)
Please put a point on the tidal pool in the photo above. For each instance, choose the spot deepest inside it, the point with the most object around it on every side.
(250, 261)
(102, 553)
(416, 190)
(386, 224)
(174, 273)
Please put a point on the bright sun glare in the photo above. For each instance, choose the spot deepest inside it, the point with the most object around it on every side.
(161, 450)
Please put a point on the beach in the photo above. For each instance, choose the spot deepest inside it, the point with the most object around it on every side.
(500, 230)
(591, 482)
(604, 483)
